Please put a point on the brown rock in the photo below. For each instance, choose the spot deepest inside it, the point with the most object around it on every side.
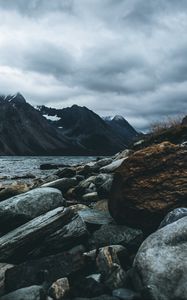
(149, 184)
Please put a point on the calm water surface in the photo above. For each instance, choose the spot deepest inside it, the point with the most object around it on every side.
(11, 166)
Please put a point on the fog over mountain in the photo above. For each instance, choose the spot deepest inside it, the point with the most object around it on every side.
(125, 57)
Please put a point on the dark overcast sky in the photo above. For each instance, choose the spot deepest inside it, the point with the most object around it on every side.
(125, 57)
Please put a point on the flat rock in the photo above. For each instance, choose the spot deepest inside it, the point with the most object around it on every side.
(34, 272)
(63, 184)
(111, 234)
(15, 245)
(113, 166)
(22, 208)
(66, 237)
(149, 184)
(95, 218)
(160, 266)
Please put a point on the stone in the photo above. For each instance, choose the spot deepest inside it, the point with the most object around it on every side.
(13, 190)
(18, 210)
(111, 234)
(66, 237)
(124, 154)
(59, 289)
(34, 292)
(95, 166)
(108, 264)
(52, 166)
(66, 172)
(113, 166)
(102, 178)
(15, 245)
(101, 205)
(90, 197)
(50, 268)
(63, 184)
(149, 184)
(85, 186)
(95, 218)
(126, 294)
(105, 189)
(173, 216)
(160, 266)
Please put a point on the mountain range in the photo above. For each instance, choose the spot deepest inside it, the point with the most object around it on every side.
(25, 130)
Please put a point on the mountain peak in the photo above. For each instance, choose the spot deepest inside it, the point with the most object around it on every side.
(118, 118)
(18, 98)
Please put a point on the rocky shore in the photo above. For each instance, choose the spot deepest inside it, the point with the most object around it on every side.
(111, 229)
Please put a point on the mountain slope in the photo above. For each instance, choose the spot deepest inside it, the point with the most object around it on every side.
(91, 131)
(69, 131)
(23, 131)
(122, 128)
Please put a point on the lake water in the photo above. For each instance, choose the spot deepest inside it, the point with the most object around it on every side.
(11, 166)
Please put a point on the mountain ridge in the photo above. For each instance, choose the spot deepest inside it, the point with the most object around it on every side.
(77, 130)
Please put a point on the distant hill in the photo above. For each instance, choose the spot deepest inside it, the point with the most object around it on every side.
(25, 130)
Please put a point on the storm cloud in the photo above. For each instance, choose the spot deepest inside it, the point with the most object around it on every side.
(123, 57)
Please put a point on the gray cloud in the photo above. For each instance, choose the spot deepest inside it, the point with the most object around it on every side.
(116, 57)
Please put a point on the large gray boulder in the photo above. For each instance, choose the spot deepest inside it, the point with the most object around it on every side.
(160, 266)
(18, 210)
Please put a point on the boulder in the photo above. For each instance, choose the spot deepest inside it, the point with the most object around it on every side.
(22, 208)
(160, 266)
(34, 292)
(95, 218)
(66, 172)
(15, 245)
(66, 237)
(111, 234)
(47, 269)
(63, 184)
(149, 184)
